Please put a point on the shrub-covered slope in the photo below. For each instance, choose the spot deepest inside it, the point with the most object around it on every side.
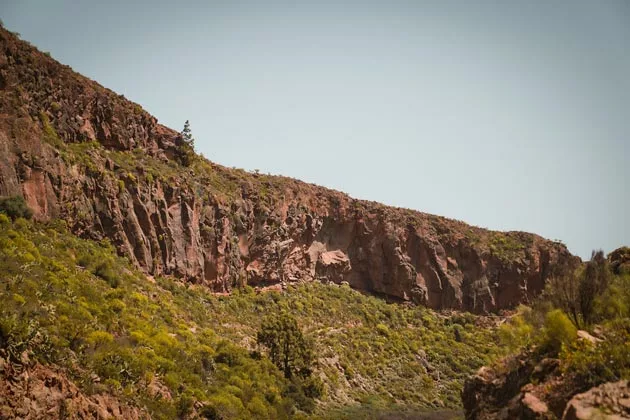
(80, 152)
(72, 309)
(574, 340)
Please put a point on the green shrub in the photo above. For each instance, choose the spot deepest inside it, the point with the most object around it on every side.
(518, 332)
(558, 331)
(296, 393)
(15, 207)
(210, 412)
(185, 405)
(97, 338)
(105, 271)
(226, 405)
(614, 302)
(228, 354)
(607, 361)
(19, 335)
(50, 135)
(313, 387)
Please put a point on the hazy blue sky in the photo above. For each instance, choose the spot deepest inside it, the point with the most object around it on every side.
(507, 115)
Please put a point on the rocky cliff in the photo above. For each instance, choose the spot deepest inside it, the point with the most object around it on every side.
(80, 152)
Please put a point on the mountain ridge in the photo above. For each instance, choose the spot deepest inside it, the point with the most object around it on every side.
(78, 151)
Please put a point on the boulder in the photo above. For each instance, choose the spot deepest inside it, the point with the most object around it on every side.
(610, 401)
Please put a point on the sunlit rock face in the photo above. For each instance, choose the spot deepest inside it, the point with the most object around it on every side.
(82, 153)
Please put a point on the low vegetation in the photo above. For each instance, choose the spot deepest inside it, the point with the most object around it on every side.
(594, 297)
(179, 350)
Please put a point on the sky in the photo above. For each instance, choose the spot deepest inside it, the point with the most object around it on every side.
(509, 115)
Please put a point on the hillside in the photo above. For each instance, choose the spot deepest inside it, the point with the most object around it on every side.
(141, 280)
(79, 152)
(83, 332)
(570, 351)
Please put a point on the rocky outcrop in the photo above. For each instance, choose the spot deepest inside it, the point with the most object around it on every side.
(610, 401)
(38, 392)
(531, 386)
(80, 152)
(520, 387)
(494, 394)
(620, 260)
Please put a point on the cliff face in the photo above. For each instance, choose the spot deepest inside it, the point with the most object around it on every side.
(80, 152)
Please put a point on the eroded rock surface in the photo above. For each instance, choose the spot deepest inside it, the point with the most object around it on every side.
(39, 392)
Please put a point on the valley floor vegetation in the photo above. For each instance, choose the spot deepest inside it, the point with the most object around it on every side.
(75, 304)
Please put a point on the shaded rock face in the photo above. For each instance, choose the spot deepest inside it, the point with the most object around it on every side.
(79, 152)
(493, 395)
(38, 392)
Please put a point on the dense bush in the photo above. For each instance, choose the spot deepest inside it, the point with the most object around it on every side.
(558, 331)
(15, 207)
(614, 302)
(519, 331)
(367, 348)
(607, 361)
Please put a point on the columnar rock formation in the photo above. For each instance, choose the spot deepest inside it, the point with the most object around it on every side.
(82, 153)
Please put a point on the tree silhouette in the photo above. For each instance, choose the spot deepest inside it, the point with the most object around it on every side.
(594, 281)
(185, 152)
(576, 291)
(287, 347)
(187, 135)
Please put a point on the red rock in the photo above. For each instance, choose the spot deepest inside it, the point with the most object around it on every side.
(47, 393)
(533, 407)
(243, 228)
(610, 401)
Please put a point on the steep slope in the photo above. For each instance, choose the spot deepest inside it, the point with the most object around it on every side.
(558, 370)
(83, 333)
(80, 152)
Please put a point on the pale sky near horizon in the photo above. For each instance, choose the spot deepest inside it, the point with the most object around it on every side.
(510, 115)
